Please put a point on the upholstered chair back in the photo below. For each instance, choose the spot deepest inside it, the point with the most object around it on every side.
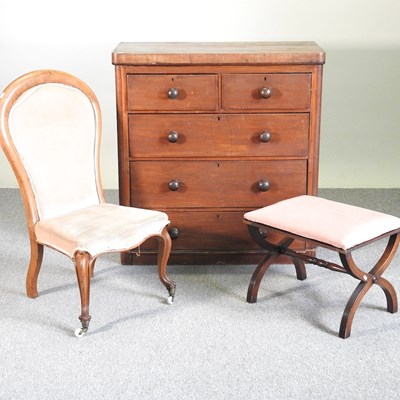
(54, 131)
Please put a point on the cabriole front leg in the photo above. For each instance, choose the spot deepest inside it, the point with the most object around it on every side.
(83, 264)
(164, 252)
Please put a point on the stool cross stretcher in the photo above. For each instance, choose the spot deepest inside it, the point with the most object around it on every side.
(332, 225)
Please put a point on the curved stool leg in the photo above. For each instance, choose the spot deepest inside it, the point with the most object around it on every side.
(367, 280)
(301, 272)
(274, 251)
(387, 256)
(379, 269)
(163, 255)
(390, 293)
(351, 308)
(257, 276)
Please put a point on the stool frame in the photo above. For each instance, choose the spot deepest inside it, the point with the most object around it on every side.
(260, 232)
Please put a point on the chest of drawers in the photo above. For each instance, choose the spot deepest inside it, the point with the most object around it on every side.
(209, 131)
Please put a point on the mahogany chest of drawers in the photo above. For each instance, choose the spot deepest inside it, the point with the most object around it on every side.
(208, 131)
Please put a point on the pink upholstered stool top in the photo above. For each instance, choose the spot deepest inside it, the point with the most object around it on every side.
(336, 224)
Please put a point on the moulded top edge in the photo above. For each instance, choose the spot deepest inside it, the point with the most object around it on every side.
(151, 53)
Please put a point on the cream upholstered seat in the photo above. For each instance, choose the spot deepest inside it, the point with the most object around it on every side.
(50, 132)
(99, 228)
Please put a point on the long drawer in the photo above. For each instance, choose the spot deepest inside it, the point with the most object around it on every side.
(266, 91)
(211, 231)
(233, 184)
(172, 92)
(176, 136)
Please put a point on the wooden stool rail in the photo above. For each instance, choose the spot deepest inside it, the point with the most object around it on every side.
(336, 226)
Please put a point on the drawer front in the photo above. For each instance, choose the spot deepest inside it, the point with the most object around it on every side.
(211, 231)
(172, 92)
(221, 231)
(264, 135)
(176, 136)
(199, 184)
(183, 136)
(266, 91)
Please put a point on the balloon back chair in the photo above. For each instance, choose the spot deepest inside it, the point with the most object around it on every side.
(50, 132)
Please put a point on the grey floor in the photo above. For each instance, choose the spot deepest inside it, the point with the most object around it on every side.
(210, 344)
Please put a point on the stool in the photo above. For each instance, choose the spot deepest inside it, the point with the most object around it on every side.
(332, 225)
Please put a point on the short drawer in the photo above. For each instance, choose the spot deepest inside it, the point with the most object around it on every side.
(266, 91)
(172, 92)
(176, 135)
(265, 135)
(233, 184)
(209, 230)
(184, 136)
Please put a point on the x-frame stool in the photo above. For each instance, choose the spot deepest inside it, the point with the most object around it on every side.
(336, 226)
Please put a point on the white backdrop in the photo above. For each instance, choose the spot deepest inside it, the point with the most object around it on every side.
(360, 136)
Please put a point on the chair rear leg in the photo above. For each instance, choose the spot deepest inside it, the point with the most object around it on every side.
(164, 251)
(92, 265)
(83, 263)
(34, 268)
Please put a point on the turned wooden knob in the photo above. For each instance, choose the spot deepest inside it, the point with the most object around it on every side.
(263, 185)
(173, 93)
(174, 233)
(173, 137)
(266, 92)
(265, 136)
(174, 185)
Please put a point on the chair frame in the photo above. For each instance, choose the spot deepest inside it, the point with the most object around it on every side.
(83, 261)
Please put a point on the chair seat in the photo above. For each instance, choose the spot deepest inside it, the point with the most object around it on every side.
(340, 225)
(100, 228)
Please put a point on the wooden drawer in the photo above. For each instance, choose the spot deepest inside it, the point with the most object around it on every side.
(233, 184)
(151, 92)
(177, 136)
(210, 230)
(264, 135)
(287, 91)
(196, 135)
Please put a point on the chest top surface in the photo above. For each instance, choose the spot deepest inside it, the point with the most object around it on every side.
(164, 53)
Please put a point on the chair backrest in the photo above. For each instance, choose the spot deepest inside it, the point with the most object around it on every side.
(50, 132)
